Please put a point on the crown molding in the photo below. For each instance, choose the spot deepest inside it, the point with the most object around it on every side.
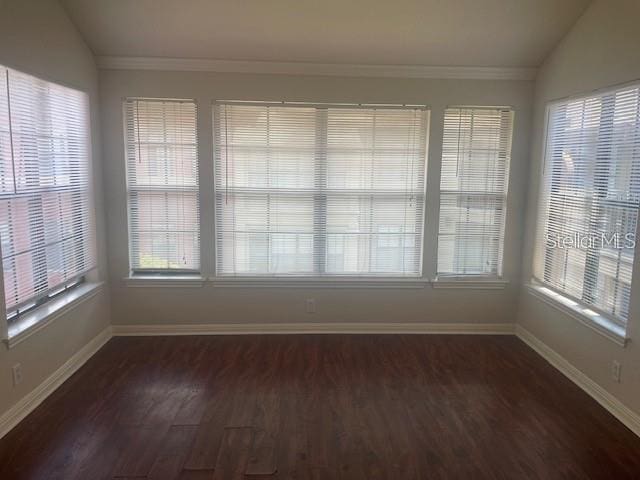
(323, 69)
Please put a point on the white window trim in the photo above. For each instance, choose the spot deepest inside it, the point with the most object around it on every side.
(142, 280)
(319, 282)
(294, 281)
(596, 321)
(497, 277)
(6, 332)
(141, 273)
(594, 91)
(197, 281)
(477, 283)
(40, 317)
(600, 323)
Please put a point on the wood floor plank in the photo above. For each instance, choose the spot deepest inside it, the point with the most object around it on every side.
(146, 440)
(204, 366)
(193, 407)
(195, 475)
(100, 465)
(140, 451)
(170, 461)
(133, 408)
(262, 460)
(219, 408)
(233, 454)
(293, 443)
(204, 452)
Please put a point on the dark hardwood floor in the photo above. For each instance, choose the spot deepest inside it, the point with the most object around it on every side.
(319, 407)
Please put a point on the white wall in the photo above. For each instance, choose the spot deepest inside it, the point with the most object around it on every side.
(260, 305)
(601, 50)
(37, 37)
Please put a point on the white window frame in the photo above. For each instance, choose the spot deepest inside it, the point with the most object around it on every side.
(495, 280)
(48, 308)
(208, 275)
(165, 277)
(599, 321)
(326, 281)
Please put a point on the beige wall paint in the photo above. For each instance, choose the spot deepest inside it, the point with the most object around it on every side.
(37, 37)
(600, 51)
(265, 305)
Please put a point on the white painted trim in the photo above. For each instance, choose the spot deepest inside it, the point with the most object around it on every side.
(623, 413)
(49, 312)
(318, 282)
(310, 328)
(598, 323)
(594, 92)
(34, 398)
(168, 281)
(304, 68)
(474, 284)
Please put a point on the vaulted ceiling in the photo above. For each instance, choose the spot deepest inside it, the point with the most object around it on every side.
(515, 33)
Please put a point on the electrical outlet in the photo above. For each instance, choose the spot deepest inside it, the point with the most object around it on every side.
(16, 370)
(616, 371)
(310, 305)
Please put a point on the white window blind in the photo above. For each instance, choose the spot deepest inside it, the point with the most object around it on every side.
(589, 200)
(476, 153)
(319, 190)
(162, 185)
(46, 222)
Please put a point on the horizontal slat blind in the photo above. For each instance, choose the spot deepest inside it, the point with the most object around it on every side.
(589, 200)
(46, 223)
(476, 153)
(162, 184)
(319, 190)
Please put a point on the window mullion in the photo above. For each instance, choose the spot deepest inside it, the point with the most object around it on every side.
(551, 186)
(596, 214)
(320, 195)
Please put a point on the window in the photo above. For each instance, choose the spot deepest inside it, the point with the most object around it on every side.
(319, 190)
(162, 185)
(589, 201)
(46, 222)
(476, 153)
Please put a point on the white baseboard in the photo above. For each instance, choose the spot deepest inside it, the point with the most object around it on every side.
(34, 398)
(627, 416)
(323, 328)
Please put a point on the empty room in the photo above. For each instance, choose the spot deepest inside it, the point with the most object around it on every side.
(277, 239)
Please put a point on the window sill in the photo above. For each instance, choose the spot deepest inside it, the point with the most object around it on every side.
(596, 322)
(317, 282)
(197, 281)
(477, 283)
(42, 316)
(164, 281)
